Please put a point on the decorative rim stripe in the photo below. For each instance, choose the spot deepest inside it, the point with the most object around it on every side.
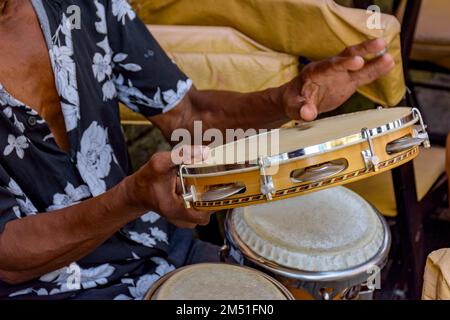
(305, 187)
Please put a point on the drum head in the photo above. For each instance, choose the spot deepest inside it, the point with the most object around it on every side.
(215, 281)
(329, 230)
(334, 131)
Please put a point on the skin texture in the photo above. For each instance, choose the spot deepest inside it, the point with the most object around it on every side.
(36, 245)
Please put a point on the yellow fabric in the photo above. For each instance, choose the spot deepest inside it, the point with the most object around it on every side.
(379, 189)
(436, 284)
(315, 29)
(221, 58)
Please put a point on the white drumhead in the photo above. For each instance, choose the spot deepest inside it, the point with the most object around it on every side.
(329, 230)
(212, 281)
(314, 133)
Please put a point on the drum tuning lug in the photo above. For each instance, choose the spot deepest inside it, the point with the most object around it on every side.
(188, 197)
(224, 253)
(267, 185)
(370, 158)
(422, 129)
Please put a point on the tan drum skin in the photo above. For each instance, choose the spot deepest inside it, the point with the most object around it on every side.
(284, 186)
(184, 281)
(243, 242)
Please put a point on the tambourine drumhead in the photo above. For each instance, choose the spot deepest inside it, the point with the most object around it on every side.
(328, 230)
(214, 281)
(305, 135)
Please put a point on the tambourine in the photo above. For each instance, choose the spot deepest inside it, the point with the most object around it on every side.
(305, 157)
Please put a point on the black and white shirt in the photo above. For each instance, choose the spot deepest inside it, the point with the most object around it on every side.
(111, 57)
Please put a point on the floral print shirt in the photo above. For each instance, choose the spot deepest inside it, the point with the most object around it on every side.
(111, 57)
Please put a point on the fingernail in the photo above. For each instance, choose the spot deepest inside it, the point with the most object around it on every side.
(358, 58)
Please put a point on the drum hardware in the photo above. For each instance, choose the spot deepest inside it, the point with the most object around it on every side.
(422, 130)
(213, 194)
(267, 186)
(223, 191)
(403, 144)
(371, 160)
(188, 197)
(319, 172)
(357, 280)
(419, 137)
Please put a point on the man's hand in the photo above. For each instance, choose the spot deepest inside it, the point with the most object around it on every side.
(156, 187)
(325, 85)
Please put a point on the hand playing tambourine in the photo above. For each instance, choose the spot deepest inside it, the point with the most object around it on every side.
(325, 85)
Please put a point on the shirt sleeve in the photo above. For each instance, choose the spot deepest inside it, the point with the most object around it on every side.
(146, 79)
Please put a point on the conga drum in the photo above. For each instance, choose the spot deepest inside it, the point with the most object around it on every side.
(306, 157)
(323, 245)
(217, 281)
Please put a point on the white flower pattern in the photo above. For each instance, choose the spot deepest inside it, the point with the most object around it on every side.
(94, 158)
(122, 9)
(71, 197)
(108, 72)
(19, 144)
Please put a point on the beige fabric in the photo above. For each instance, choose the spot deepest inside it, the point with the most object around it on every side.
(379, 189)
(316, 29)
(328, 230)
(436, 284)
(220, 58)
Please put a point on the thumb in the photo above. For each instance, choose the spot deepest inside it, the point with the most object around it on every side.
(308, 112)
(189, 154)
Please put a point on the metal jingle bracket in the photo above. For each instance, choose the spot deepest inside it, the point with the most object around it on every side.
(267, 185)
(370, 158)
(190, 196)
(421, 129)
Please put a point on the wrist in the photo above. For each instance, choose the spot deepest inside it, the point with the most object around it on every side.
(127, 194)
(277, 101)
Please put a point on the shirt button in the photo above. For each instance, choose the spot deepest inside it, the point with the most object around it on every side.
(32, 121)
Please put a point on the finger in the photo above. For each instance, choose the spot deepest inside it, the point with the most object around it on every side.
(183, 224)
(189, 215)
(343, 64)
(162, 163)
(308, 112)
(189, 154)
(365, 48)
(199, 217)
(373, 70)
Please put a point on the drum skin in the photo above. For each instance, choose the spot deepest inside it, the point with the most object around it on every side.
(217, 281)
(328, 241)
(355, 171)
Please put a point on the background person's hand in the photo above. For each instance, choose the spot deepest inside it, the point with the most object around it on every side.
(156, 187)
(325, 85)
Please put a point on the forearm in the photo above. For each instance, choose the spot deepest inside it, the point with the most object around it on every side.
(223, 109)
(39, 244)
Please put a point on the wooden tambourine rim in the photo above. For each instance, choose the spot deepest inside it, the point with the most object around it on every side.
(306, 188)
